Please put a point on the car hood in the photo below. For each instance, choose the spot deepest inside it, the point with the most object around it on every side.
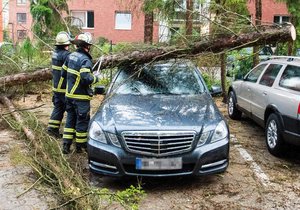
(157, 112)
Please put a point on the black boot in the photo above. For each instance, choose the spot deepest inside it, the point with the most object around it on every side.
(54, 132)
(66, 148)
(80, 147)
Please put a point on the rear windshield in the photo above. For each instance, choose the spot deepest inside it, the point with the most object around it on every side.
(159, 79)
(290, 78)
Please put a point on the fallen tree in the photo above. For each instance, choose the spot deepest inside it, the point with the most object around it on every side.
(64, 177)
(261, 36)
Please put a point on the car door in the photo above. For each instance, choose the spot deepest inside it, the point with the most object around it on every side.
(261, 91)
(244, 96)
(287, 98)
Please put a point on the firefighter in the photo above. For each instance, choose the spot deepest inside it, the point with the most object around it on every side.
(78, 72)
(59, 56)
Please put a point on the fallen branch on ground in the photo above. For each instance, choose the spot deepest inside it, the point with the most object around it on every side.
(27, 109)
(50, 164)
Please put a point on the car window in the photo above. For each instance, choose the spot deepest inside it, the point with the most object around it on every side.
(159, 79)
(270, 75)
(254, 74)
(290, 78)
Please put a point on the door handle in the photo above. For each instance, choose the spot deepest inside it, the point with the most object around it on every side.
(248, 89)
(265, 93)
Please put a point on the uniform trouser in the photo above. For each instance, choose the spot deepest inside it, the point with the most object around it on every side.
(57, 115)
(78, 117)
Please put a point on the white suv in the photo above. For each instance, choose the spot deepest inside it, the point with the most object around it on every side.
(270, 95)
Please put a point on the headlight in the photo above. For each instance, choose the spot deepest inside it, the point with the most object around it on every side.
(114, 139)
(203, 138)
(96, 133)
(220, 132)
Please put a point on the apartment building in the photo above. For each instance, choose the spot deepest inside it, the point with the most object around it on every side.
(123, 21)
(114, 20)
(272, 11)
(20, 20)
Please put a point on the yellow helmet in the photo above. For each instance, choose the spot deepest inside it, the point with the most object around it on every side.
(62, 38)
(84, 38)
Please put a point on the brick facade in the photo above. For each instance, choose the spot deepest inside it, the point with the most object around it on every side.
(270, 9)
(104, 19)
(17, 30)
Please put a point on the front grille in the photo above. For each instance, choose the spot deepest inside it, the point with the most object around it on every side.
(158, 143)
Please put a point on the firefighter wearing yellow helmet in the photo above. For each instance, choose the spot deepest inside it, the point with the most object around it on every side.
(59, 55)
(78, 72)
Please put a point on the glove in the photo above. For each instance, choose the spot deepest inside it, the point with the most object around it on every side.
(96, 73)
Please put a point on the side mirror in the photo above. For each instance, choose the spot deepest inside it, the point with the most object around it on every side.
(215, 90)
(99, 90)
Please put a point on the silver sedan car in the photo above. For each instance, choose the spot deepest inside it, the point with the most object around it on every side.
(270, 95)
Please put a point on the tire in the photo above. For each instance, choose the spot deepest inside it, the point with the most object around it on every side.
(274, 139)
(233, 112)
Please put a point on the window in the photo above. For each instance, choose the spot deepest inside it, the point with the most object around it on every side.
(21, 2)
(21, 34)
(83, 19)
(123, 20)
(290, 78)
(281, 19)
(270, 75)
(181, 7)
(21, 17)
(254, 74)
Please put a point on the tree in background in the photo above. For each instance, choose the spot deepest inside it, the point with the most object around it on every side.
(189, 18)
(166, 10)
(47, 16)
(149, 8)
(294, 9)
(229, 20)
(27, 49)
(258, 18)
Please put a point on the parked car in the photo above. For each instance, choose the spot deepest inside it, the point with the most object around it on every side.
(240, 61)
(158, 120)
(270, 95)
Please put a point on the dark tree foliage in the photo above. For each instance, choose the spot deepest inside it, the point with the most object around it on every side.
(47, 16)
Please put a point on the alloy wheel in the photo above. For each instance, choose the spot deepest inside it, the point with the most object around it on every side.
(230, 105)
(272, 134)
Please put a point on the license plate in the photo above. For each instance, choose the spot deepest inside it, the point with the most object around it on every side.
(158, 164)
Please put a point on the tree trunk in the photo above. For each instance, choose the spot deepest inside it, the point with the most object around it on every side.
(266, 35)
(24, 78)
(291, 44)
(189, 17)
(258, 18)
(148, 28)
(223, 76)
(290, 48)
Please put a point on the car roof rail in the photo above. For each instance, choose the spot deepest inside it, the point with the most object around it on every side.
(288, 58)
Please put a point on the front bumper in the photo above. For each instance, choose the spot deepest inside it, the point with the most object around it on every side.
(113, 161)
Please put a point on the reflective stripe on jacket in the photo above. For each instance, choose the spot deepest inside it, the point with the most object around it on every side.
(58, 58)
(77, 69)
